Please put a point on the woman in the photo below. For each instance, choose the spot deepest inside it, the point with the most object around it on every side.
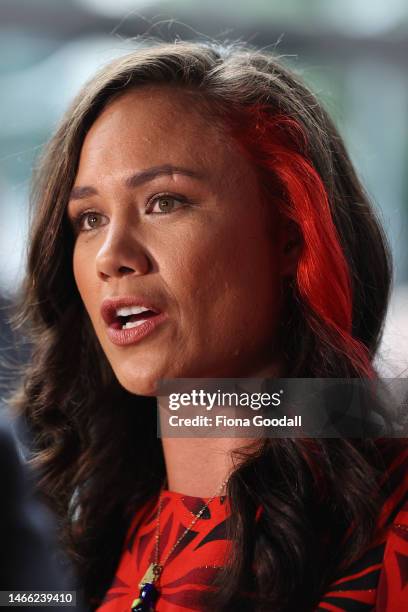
(197, 216)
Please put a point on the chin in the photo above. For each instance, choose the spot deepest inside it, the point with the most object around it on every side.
(140, 384)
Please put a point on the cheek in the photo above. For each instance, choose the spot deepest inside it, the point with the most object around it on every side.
(85, 278)
(224, 277)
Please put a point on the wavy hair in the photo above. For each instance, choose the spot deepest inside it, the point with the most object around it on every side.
(82, 421)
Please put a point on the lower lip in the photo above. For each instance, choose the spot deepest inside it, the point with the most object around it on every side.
(124, 337)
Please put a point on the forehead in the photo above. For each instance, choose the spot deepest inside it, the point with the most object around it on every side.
(153, 123)
(154, 118)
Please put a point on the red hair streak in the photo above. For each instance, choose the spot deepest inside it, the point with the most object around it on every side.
(278, 145)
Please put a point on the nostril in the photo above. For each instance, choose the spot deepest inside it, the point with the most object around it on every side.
(111, 263)
(102, 275)
(126, 270)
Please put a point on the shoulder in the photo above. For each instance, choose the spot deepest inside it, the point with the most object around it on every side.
(378, 581)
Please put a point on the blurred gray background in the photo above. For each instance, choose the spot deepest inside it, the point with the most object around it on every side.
(353, 53)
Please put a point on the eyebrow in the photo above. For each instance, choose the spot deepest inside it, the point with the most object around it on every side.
(139, 178)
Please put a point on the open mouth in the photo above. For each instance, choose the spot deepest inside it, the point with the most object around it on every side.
(131, 316)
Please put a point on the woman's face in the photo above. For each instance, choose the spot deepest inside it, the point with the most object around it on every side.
(176, 258)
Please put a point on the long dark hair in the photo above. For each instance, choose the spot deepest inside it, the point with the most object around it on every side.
(83, 422)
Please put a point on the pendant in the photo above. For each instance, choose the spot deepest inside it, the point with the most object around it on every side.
(148, 592)
(151, 575)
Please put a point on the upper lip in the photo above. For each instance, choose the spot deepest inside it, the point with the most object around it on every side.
(110, 306)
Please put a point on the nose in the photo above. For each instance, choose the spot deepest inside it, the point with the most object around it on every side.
(121, 255)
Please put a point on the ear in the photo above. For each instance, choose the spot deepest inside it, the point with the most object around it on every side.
(290, 246)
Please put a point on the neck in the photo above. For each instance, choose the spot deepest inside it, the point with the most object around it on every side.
(198, 466)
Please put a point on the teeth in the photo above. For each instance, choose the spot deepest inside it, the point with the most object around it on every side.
(134, 324)
(126, 311)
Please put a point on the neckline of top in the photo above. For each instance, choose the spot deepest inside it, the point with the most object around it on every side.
(181, 496)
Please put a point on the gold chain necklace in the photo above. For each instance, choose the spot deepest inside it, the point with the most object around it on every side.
(149, 592)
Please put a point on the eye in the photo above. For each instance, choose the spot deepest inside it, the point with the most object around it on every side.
(165, 203)
(90, 220)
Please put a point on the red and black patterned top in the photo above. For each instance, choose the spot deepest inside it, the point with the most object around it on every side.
(377, 582)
